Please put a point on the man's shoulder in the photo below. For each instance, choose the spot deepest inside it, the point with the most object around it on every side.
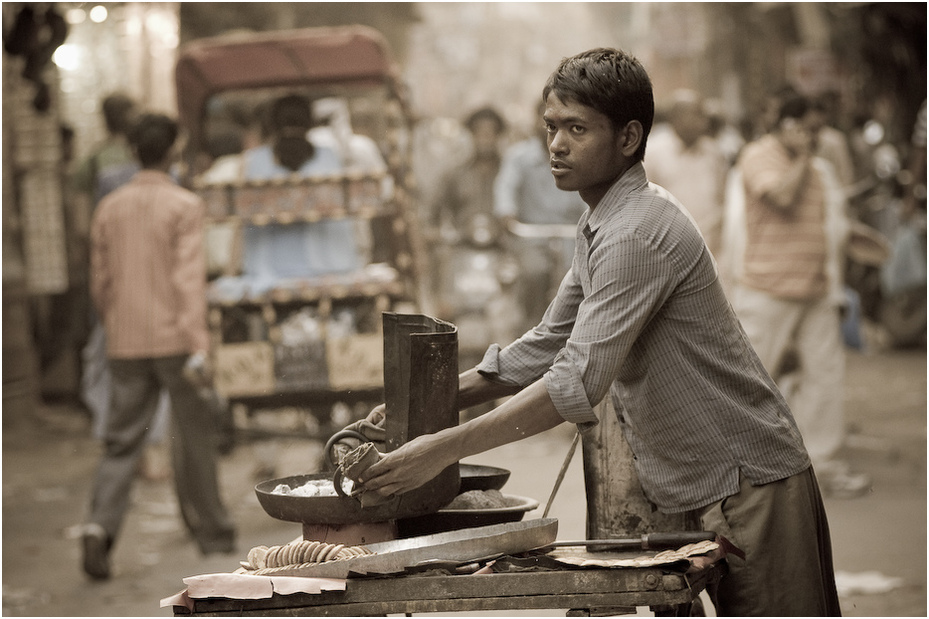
(182, 194)
(145, 181)
(644, 207)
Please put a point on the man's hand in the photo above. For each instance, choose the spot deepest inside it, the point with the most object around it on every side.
(408, 467)
(198, 370)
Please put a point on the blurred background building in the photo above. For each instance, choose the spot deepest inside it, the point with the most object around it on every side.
(60, 59)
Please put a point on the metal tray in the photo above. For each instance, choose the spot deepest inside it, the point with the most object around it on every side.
(456, 547)
(453, 519)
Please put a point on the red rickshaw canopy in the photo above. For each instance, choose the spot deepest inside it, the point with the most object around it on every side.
(304, 57)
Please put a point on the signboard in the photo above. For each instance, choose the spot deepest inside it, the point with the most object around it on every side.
(244, 369)
(356, 362)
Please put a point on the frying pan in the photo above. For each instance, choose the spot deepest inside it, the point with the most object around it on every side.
(341, 509)
(345, 510)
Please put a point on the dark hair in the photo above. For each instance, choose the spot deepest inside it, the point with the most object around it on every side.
(117, 112)
(291, 118)
(485, 113)
(794, 107)
(152, 137)
(610, 81)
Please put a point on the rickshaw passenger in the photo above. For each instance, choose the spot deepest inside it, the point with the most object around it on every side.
(305, 249)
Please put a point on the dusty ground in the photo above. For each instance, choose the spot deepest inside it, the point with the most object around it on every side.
(48, 464)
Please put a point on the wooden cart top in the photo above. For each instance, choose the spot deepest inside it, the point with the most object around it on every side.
(616, 591)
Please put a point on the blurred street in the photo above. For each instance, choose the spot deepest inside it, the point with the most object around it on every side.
(879, 540)
(394, 118)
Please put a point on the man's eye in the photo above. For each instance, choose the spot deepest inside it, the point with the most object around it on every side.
(577, 129)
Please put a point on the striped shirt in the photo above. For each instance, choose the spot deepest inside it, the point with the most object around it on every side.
(785, 251)
(148, 270)
(641, 315)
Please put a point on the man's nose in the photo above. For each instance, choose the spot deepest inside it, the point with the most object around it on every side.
(557, 145)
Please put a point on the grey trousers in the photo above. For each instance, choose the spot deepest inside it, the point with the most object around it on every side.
(787, 570)
(136, 384)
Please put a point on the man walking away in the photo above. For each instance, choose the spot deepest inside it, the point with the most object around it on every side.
(148, 285)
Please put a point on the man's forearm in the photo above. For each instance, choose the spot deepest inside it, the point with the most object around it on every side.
(527, 413)
(413, 464)
(474, 389)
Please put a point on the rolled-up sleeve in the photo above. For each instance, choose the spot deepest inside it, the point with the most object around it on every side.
(525, 361)
(629, 281)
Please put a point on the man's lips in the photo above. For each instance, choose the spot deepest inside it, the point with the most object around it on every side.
(559, 167)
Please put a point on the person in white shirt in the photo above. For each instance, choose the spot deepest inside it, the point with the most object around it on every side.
(686, 161)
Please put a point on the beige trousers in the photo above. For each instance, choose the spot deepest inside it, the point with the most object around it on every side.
(812, 329)
(782, 529)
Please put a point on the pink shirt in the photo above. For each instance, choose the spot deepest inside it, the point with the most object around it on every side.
(785, 251)
(148, 272)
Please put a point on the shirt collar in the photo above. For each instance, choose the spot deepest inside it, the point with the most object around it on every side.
(148, 175)
(632, 179)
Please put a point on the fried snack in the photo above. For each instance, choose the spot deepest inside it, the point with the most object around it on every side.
(303, 552)
(257, 556)
(308, 551)
(333, 551)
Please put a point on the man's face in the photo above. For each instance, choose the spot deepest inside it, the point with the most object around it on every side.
(586, 152)
(797, 134)
(689, 122)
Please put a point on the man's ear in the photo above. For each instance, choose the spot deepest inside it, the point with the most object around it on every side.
(631, 137)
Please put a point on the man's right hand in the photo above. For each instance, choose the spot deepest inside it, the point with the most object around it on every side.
(796, 137)
(198, 370)
(408, 467)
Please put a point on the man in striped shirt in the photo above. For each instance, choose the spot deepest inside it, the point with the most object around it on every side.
(789, 289)
(148, 282)
(641, 317)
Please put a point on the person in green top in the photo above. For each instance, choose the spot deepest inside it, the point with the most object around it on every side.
(110, 156)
